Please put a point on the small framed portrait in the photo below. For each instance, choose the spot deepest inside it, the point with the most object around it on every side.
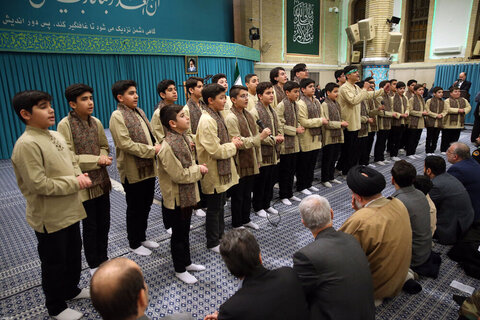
(191, 65)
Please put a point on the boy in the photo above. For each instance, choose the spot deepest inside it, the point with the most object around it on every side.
(168, 93)
(178, 175)
(193, 110)
(195, 105)
(136, 151)
(50, 179)
(309, 117)
(434, 122)
(384, 121)
(400, 106)
(278, 77)
(86, 139)
(251, 81)
(217, 151)
(270, 147)
(240, 123)
(393, 87)
(365, 122)
(374, 110)
(221, 79)
(332, 134)
(410, 88)
(299, 72)
(416, 123)
(454, 121)
(287, 111)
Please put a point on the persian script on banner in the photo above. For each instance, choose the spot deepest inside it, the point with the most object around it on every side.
(303, 21)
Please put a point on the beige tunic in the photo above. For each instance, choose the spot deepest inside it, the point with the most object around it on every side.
(86, 162)
(450, 111)
(127, 149)
(349, 99)
(418, 114)
(252, 102)
(209, 150)
(384, 232)
(268, 141)
(46, 175)
(157, 126)
(404, 110)
(307, 141)
(326, 129)
(248, 142)
(438, 122)
(189, 131)
(433, 214)
(287, 130)
(171, 173)
(382, 115)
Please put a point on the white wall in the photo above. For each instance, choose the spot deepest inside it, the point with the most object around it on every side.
(450, 26)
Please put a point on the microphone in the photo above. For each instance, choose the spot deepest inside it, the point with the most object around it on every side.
(262, 126)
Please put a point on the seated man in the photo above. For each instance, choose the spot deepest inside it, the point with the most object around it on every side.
(264, 294)
(424, 261)
(467, 171)
(119, 292)
(454, 209)
(382, 226)
(334, 289)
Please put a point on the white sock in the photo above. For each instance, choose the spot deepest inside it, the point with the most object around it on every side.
(186, 277)
(84, 294)
(68, 314)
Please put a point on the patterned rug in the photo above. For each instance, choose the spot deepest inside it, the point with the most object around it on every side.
(21, 296)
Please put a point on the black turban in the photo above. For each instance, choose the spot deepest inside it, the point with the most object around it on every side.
(365, 181)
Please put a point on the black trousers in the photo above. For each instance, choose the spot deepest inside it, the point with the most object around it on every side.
(364, 152)
(305, 169)
(180, 220)
(413, 139)
(61, 263)
(215, 221)
(330, 154)
(396, 134)
(263, 188)
(405, 137)
(95, 230)
(242, 201)
(448, 137)
(139, 198)
(431, 139)
(379, 150)
(349, 156)
(286, 171)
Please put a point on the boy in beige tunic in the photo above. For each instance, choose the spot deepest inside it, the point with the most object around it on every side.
(168, 93)
(332, 134)
(384, 124)
(86, 139)
(221, 79)
(251, 81)
(400, 108)
(193, 110)
(434, 122)
(241, 123)
(178, 175)
(309, 117)
(454, 121)
(416, 123)
(287, 111)
(50, 179)
(270, 148)
(278, 77)
(217, 151)
(136, 151)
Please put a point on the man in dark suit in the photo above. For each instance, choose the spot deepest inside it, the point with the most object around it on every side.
(454, 209)
(333, 269)
(264, 294)
(467, 171)
(463, 84)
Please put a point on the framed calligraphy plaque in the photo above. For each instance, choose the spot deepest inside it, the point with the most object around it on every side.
(302, 27)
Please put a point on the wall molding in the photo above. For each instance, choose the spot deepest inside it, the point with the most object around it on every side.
(46, 42)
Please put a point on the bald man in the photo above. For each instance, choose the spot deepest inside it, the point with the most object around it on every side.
(463, 84)
(119, 292)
